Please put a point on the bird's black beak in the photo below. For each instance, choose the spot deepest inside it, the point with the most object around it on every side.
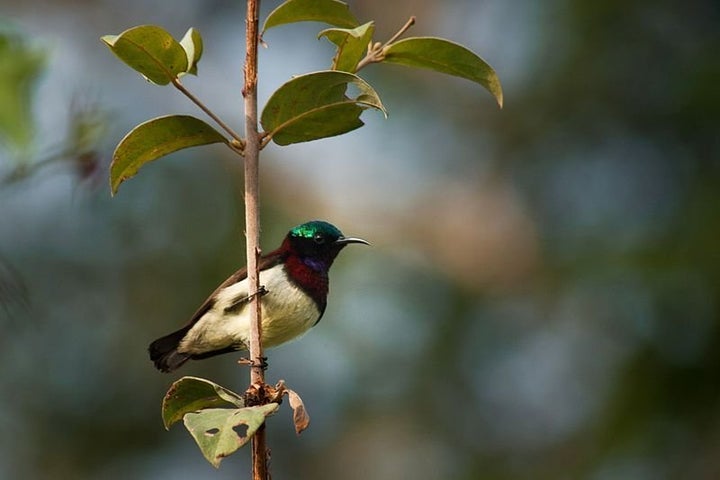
(346, 240)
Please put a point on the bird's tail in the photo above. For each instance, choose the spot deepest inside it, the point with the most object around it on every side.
(164, 353)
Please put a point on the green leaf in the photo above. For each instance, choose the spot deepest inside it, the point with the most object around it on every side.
(20, 67)
(331, 12)
(156, 138)
(351, 43)
(214, 429)
(151, 51)
(446, 57)
(193, 45)
(190, 394)
(315, 105)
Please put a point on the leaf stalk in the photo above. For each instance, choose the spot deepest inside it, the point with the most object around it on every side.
(237, 139)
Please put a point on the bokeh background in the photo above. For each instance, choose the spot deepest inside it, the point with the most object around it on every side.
(541, 297)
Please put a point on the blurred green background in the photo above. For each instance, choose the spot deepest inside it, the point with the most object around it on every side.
(541, 297)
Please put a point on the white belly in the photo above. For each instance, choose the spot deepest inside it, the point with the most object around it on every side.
(287, 313)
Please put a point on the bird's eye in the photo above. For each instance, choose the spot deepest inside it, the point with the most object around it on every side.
(319, 239)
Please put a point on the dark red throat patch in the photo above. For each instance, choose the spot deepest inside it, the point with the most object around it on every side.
(312, 281)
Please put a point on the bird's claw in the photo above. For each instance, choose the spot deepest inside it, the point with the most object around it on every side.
(260, 362)
(240, 302)
(261, 291)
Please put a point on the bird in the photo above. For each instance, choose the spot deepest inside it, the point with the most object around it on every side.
(294, 288)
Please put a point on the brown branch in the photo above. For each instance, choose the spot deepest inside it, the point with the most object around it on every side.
(252, 228)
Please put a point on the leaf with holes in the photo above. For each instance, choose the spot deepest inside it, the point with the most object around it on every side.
(446, 57)
(351, 45)
(193, 45)
(190, 394)
(221, 431)
(156, 138)
(315, 105)
(150, 50)
(331, 12)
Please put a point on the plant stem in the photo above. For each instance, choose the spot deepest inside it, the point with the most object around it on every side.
(252, 227)
(375, 52)
(403, 29)
(176, 82)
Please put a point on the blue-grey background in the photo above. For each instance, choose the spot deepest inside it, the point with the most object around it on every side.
(541, 297)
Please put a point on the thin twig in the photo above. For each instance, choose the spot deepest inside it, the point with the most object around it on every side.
(252, 227)
(403, 29)
(176, 82)
(376, 52)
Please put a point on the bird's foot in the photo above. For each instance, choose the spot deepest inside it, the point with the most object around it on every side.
(239, 303)
(260, 362)
(261, 292)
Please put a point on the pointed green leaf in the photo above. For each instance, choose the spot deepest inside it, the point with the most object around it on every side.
(446, 57)
(193, 45)
(351, 45)
(151, 51)
(214, 429)
(156, 138)
(331, 12)
(316, 105)
(190, 394)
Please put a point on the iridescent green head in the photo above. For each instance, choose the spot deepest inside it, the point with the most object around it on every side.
(316, 229)
(319, 240)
